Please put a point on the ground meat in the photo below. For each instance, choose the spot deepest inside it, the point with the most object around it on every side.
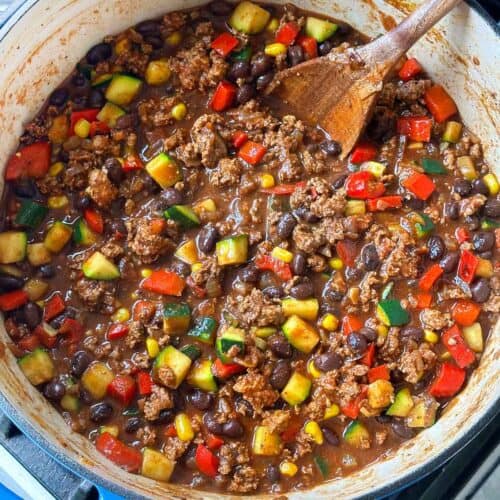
(469, 206)
(255, 388)
(143, 240)
(190, 65)
(160, 399)
(368, 292)
(313, 165)
(303, 445)
(414, 362)
(147, 435)
(227, 173)
(217, 70)
(245, 479)
(307, 238)
(380, 437)
(452, 292)
(80, 162)
(255, 309)
(434, 319)
(112, 249)
(332, 228)
(390, 348)
(315, 409)
(277, 420)
(167, 377)
(206, 140)
(100, 188)
(134, 335)
(231, 454)
(174, 447)
(96, 295)
(209, 276)
(317, 197)
(402, 260)
(157, 112)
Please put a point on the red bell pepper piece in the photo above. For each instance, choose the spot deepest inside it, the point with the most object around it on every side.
(363, 185)
(206, 461)
(424, 300)
(417, 128)
(421, 185)
(460, 351)
(278, 267)
(98, 128)
(252, 152)
(12, 300)
(72, 330)
(117, 331)
(239, 138)
(369, 357)
(53, 307)
(410, 69)
(171, 431)
(214, 442)
(144, 383)
(87, 114)
(165, 283)
(462, 234)
(384, 203)
(287, 33)
(122, 388)
(223, 97)
(223, 371)
(351, 323)
(31, 161)
(290, 433)
(347, 251)
(380, 372)
(131, 163)
(45, 338)
(283, 189)
(224, 44)
(363, 152)
(430, 276)
(449, 379)
(467, 266)
(465, 312)
(351, 410)
(439, 103)
(309, 46)
(94, 220)
(124, 456)
(29, 342)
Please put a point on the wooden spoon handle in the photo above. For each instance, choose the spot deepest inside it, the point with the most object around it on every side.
(389, 48)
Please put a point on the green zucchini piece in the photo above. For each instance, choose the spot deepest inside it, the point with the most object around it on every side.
(123, 89)
(37, 366)
(242, 55)
(433, 166)
(101, 80)
(403, 403)
(70, 403)
(176, 360)
(232, 250)
(300, 334)
(319, 29)
(98, 267)
(156, 465)
(305, 308)
(12, 247)
(82, 234)
(387, 291)
(38, 254)
(380, 394)
(265, 443)
(297, 389)
(322, 465)
(473, 336)
(423, 414)
(232, 337)
(57, 236)
(191, 351)
(187, 252)
(204, 329)
(183, 214)
(110, 113)
(164, 170)
(249, 18)
(30, 214)
(422, 224)
(96, 378)
(391, 313)
(176, 318)
(489, 224)
(201, 376)
(356, 434)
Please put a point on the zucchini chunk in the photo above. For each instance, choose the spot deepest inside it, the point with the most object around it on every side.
(38, 366)
(265, 442)
(305, 309)
(98, 267)
(403, 403)
(12, 247)
(176, 360)
(164, 170)
(96, 378)
(232, 250)
(176, 318)
(201, 376)
(57, 236)
(31, 214)
(300, 334)
(357, 435)
(297, 389)
(231, 338)
(110, 113)
(249, 18)
(156, 465)
(183, 214)
(123, 89)
(203, 329)
(320, 29)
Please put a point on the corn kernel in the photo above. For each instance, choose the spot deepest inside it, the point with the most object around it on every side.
(134, 295)
(312, 428)
(330, 322)
(122, 45)
(267, 181)
(336, 263)
(152, 347)
(431, 336)
(121, 315)
(57, 201)
(492, 184)
(282, 254)
(197, 266)
(56, 168)
(445, 356)
(273, 25)
(264, 332)
(288, 468)
(415, 145)
(374, 167)
(312, 370)
(109, 429)
(467, 168)
(158, 72)
(179, 111)
(182, 424)
(207, 205)
(174, 38)
(82, 128)
(146, 272)
(355, 207)
(382, 330)
(484, 268)
(275, 49)
(331, 411)
(452, 132)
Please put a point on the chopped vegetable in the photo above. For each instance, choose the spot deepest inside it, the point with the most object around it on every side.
(122, 388)
(403, 403)
(319, 29)
(410, 69)
(202, 377)
(164, 283)
(37, 366)
(380, 372)
(30, 214)
(448, 381)
(417, 128)
(363, 152)
(176, 360)
(232, 250)
(265, 442)
(420, 185)
(391, 313)
(432, 166)
(300, 334)
(252, 152)
(156, 465)
(94, 220)
(363, 185)
(309, 46)
(225, 370)
(176, 318)
(123, 89)
(280, 268)
(182, 214)
(124, 456)
(297, 389)
(163, 170)
(384, 203)
(206, 461)
(465, 312)
(224, 96)
(31, 161)
(99, 267)
(430, 277)
(356, 434)
(96, 379)
(454, 342)
(452, 132)
(439, 103)
(249, 18)
(57, 236)
(204, 329)
(224, 44)
(304, 308)
(473, 336)
(13, 245)
(467, 266)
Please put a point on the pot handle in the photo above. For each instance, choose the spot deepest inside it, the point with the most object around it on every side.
(107, 495)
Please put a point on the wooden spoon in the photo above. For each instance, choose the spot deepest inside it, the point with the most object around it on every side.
(338, 91)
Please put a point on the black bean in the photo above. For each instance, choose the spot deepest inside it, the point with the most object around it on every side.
(273, 292)
(243, 407)
(436, 247)
(295, 55)
(249, 274)
(414, 203)
(79, 80)
(451, 210)
(331, 148)
(82, 202)
(24, 188)
(330, 295)
(325, 47)
(59, 97)
(479, 187)
(201, 400)
(299, 264)
(280, 374)
(272, 473)
(402, 430)
(480, 290)
(263, 81)
(357, 343)
(328, 361)
(80, 102)
(286, 225)
(129, 120)
(233, 429)
(118, 226)
(54, 390)
(462, 187)
(207, 238)
(339, 181)
(9, 283)
(369, 257)
(330, 436)
(155, 41)
(472, 222)
(245, 93)
(32, 314)
(492, 208)
(171, 196)
(220, 8)
(181, 268)
(100, 412)
(412, 333)
(306, 215)
(240, 69)
(132, 424)
(114, 171)
(369, 333)
(79, 363)
(261, 64)
(57, 322)
(449, 262)
(486, 255)
(353, 273)
(99, 53)
(483, 241)
(47, 271)
(280, 346)
(96, 99)
(383, 419)
(211, 423)
(302, 290)
(146, 28)
(179, 401)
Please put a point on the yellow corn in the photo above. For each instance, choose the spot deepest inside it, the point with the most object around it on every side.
(267, 181)
(467, 168)
(152, 347)
(355, 207)
(431, 336)
(146, 272)
(492, 184)
(331, 411)
(376, 168)
(312, 370)
(82, 128)
(134, 295)
(174, 38)
(264, 332)
(158, 72)
(196, 267)
(282, 254)
(273, 25)
(121, 315)
(452, 132)
(57, 201)
(179, 111)
(484, 268)
(56, 168)
(415, 145)
(336, 263)
(445, 356)
(207, 205)
(330, 322)
(110, 429)
(312, 428)
(382, 330)
(183, 426)
(275, 49)
(288, 468)
(122, 45)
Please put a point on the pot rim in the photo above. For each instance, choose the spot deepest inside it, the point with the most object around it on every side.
(57, 452)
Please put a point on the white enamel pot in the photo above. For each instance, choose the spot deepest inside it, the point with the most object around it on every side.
(40, 44)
